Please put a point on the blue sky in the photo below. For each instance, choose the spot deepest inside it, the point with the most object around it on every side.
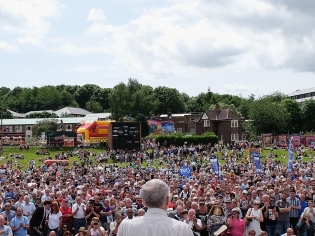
(236, 47)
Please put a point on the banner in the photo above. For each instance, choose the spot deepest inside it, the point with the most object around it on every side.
(309, 141)
(296, 141)
(282, 141)
(68, 142)
(185, 171)
(290, 155)
(215, 166)
(254, 156)
(267, 140)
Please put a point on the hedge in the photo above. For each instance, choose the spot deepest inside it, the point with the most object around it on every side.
(179, 140)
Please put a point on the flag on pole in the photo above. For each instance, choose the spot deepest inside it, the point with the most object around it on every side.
(215, 166)
(290, 155)
(254, 155)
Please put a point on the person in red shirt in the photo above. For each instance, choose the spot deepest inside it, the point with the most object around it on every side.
(67, 216)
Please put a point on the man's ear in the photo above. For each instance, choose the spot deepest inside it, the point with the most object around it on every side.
(167, 200)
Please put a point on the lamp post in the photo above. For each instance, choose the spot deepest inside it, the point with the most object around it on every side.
(2, 105)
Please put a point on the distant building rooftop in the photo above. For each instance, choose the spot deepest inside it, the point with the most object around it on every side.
(303, 91)
(17, 115)
(66, 120)
(303, 95)
(99, 115)
(31, 112)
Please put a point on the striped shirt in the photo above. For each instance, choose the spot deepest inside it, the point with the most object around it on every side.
(294, 202)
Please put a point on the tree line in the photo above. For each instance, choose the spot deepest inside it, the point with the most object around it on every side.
(273, 113)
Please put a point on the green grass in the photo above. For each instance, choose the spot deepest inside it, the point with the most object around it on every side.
(30, 155)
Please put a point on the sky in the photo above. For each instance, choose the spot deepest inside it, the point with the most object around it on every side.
(238, 47)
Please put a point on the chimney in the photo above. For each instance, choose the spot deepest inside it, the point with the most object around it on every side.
(217, 107)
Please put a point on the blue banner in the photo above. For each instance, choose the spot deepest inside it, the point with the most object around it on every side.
(290, 155)
(215, 166)
(254, 154)
(185, 171)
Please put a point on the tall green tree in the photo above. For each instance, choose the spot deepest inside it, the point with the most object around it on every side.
(145, 129)
(44, 126)
(308, 114)
(268, 117)
(293, 114)
(84, 93)
(144, 101)
(169, 100)
(120, 101)
(43, 114)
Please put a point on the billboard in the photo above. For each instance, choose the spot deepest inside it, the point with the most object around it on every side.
(267, 140)
(161, 127)
(124, 136)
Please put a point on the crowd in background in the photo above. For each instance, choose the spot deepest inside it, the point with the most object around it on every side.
(93, 199)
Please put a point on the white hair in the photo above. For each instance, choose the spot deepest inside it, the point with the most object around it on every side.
(154, 193)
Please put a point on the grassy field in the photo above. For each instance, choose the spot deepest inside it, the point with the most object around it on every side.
(31, 155)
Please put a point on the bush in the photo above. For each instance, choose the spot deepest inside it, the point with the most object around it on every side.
(179, 139)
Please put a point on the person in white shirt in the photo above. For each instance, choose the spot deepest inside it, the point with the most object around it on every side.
(78, 211)
(129, 214)
(28, 207)
(155, 222)
(113, 227)
(194, 223)
(95, 228)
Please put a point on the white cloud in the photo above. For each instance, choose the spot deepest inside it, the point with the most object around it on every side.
(27, 19)
(236, 87)
(96, 14)
(100, 28)
(89, 69)
(195, 37)
(8, 47)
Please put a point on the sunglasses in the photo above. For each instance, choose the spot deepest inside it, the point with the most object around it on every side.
(256, 204)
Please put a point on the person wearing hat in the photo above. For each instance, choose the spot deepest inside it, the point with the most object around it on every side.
(216, 219)
(81, 232)
(95, 228)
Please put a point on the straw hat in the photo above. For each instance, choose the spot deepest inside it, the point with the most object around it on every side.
(82, 229)
(220, 230)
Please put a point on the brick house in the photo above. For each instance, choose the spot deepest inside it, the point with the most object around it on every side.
(226, 124)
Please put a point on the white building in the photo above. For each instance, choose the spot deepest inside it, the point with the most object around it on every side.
(303, 95)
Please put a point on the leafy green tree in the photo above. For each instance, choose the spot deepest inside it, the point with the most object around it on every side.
(143, 101)
(101, 96)
(294, 115)
(144, 124)
(169, 100)
(43, 114)
(120, 102)
(245, 105)
(268, 117)
(94, 107)
(84, 93)
(5, 113)
(44, 126)
(308, 114)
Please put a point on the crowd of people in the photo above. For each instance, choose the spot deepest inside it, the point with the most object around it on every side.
(99, 199)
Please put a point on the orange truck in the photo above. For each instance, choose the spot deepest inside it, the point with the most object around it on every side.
(94, 132)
